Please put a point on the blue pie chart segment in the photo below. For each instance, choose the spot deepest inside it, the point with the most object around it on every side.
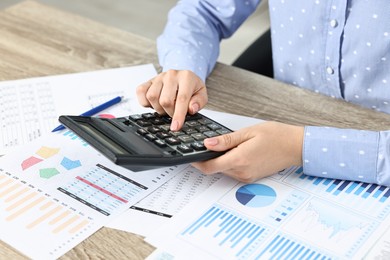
(256, 195)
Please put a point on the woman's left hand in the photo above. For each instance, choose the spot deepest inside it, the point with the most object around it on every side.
(255, 152)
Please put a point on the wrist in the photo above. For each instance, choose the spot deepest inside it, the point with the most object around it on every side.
(295, 144)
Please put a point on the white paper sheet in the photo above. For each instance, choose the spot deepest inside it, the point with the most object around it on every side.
(156, 209)
(57, 190)
(30, 107)
(286, 216)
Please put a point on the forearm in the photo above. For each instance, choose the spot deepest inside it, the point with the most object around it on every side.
(191, 38)
(347, 154)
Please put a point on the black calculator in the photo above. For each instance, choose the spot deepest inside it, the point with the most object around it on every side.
(144, 141)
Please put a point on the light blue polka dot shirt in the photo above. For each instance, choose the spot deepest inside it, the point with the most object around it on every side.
(337, 48)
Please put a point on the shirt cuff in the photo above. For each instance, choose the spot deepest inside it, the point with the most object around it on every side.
(384, 158)
(177, 60)
(346, 154)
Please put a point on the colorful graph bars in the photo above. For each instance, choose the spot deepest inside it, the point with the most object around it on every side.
(74, 137)
(335, 187)
(21, 201)
(231, 234)
(282, 247)
(358, 195)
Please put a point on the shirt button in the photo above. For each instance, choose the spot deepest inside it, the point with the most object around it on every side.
(329, 70)
(333, 23)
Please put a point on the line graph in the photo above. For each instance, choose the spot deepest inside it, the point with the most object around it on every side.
(330, 227)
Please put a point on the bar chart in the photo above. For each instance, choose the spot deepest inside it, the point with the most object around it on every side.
(284, 247)
(228, 232)
(360, 196)
(74, 137)
(19, 201)
(286, 208)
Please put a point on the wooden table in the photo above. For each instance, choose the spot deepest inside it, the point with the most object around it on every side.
(37, 40)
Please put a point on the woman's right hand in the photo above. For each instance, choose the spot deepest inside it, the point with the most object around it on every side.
(174, 92)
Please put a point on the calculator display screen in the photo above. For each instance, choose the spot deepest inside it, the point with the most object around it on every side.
(102, 139)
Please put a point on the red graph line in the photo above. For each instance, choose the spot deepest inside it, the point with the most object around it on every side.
(101, 189)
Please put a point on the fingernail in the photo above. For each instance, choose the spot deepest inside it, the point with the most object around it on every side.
(174, 125)
(195, 108)
(211, 141)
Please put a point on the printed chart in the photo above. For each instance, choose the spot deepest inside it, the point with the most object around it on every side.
(102, 189)
(256, 195)
(331, 227)
(290, 216)
(61, 191)
(370, 198)
(228, 233)
(27, 112)
(171, 197)
(285, 247)
(28, 210)
(74, 137)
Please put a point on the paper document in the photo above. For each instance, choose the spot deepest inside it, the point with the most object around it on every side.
(156, 209)
(58, 190)
(30, 107)
(286, 216)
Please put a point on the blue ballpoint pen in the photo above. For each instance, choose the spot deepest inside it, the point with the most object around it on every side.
(94, 110)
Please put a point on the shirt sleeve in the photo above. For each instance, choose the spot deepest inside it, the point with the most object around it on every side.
(190, 40)
(347, 154)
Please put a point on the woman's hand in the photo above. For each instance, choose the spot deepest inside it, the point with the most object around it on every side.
(176, 93)
(256, 152)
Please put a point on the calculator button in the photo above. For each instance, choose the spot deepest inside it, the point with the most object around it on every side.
(165, 128)
(202, 128)
(193, 117)
(204, 121)
(157, 121)
(210, 134)
(186, 138)
(184, 148)
(198, 146)
(190, 131)
(178, 133)
(223, 131)
(172, 141)
(185, 128)
(199, 136)
(160, 143)
(192, 123)
(167, 119)
(213, 126)
(142, 131)
(135, 117)
(150, 137)
(153, 129)
(143, 123)
(163, 135)
(148, 115)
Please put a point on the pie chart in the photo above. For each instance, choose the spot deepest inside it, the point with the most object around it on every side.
(256, 195)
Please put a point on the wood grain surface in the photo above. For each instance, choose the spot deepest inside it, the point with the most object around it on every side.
(37, 40)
